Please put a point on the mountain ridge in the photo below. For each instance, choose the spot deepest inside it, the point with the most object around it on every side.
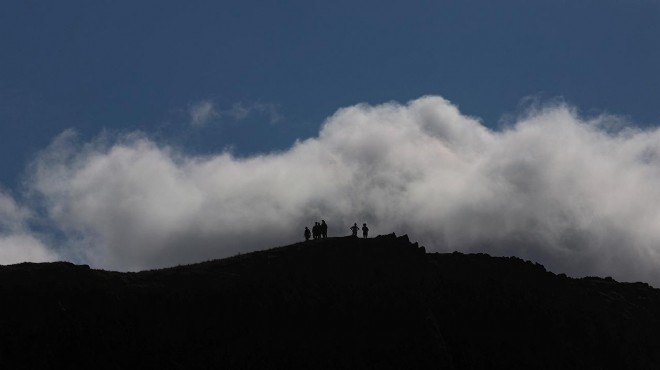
(332, 303)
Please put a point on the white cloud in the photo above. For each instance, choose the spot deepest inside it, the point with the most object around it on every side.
(553, 187)
(17, 242)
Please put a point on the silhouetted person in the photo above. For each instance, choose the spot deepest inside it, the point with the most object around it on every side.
(354, 229)
(316, 232)
(307, 233)
(365, 230)
(324, 229)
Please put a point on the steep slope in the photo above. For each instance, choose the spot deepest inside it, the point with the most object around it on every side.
(334, 303)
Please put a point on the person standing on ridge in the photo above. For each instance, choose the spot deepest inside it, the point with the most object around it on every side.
(365, 230)
(354, 229)
(307, 233)
(315, 230)
(324, 229)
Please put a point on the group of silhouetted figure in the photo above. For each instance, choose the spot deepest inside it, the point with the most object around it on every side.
(320, 230)
(355, 228)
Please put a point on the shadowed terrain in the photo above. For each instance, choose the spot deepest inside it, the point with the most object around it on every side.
(329, 303)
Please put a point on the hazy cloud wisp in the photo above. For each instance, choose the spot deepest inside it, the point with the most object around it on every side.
(206, 112)
(202, 113)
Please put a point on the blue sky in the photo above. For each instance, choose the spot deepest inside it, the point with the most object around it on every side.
(143, 134)
(141, 65)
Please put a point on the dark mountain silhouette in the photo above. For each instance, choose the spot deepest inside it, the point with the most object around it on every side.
(329, 303)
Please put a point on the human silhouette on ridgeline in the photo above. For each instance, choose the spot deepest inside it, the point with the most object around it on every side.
(324, 229)
(307, 233)
(316, 232)
(365, 230)
(354, 229)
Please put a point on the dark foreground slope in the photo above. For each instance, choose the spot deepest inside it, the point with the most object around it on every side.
(336, 303)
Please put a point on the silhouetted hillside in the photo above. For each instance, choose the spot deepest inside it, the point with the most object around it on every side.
(333, 303)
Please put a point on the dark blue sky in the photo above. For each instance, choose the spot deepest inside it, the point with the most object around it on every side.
(122, 66)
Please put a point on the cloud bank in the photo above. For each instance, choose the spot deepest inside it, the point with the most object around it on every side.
(578, 195)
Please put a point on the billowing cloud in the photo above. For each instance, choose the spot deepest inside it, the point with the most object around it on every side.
(17, 242)
(578, 195)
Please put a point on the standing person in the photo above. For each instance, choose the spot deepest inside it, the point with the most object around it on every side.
(365, 230)
(307, 233)
(324, 229)
(315, 230)
(354, 229)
